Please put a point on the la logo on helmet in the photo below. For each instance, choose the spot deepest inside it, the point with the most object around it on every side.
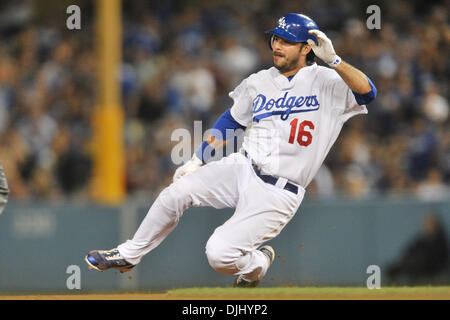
(282, 23)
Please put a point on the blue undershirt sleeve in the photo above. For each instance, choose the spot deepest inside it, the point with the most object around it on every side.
(367, 97)
(224, 122)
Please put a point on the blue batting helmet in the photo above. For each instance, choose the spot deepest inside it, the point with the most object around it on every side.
(294, 27)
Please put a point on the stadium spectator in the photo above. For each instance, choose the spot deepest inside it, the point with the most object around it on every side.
(425, 257)
(181, 59)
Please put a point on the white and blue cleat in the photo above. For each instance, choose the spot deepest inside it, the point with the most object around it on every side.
(102, 260)
(240, 282)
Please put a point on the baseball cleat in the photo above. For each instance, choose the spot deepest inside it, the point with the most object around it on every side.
(102, 260)
(240, 282)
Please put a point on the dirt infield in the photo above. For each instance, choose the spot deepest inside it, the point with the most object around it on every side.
(390, 293)
(122, 296)
(155, 296)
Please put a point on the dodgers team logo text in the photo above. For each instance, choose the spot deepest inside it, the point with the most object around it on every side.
(288, 104)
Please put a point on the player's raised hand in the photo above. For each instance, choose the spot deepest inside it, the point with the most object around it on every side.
(188, 167)
(324, 50)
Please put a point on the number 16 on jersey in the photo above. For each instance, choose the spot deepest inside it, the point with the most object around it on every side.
(304, 137)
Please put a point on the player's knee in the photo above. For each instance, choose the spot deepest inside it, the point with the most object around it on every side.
(221, 256)
(176, 197)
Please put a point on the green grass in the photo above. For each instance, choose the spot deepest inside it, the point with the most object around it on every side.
(316, 293)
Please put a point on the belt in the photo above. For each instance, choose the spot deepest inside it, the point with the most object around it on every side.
(271, 179)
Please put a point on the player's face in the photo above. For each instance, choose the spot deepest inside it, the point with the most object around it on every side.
(288, 55)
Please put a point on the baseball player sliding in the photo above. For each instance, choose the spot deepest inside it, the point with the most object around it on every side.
(292, 114)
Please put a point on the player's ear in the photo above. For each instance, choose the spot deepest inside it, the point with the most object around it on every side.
(306, 48)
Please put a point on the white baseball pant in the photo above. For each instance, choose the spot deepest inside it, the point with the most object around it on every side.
(261, 212)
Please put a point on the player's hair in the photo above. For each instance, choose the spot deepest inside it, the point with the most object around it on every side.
(310, 57)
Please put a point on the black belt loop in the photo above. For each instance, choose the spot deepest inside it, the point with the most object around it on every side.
(271, 179)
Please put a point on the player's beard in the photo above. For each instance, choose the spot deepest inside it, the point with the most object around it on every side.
(286, 64)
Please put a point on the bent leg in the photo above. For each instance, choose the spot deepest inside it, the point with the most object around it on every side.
(262, 212)
(225, 258)
(213, 185)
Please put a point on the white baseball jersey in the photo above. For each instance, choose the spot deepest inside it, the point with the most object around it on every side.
(291, 125)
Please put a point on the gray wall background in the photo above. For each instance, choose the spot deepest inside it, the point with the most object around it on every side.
(327, 243)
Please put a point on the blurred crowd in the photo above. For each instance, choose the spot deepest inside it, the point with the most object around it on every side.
(180, 61)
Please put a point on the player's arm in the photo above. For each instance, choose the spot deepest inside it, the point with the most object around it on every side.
(354, 78)
(219, 138)
(203, 154)
(361, 85)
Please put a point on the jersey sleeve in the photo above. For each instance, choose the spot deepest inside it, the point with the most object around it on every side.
(241, 111)
(341, 98)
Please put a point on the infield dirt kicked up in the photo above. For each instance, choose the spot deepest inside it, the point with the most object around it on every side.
(276, 293)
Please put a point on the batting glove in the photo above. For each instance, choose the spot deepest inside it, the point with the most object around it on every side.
(324, 50)
(188, 167)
